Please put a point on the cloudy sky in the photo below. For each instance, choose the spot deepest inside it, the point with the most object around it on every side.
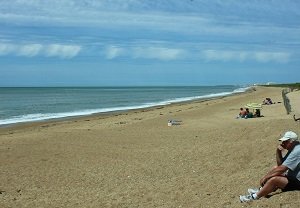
(148, 42)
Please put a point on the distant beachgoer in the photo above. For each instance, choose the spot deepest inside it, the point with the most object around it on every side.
(296, 119)
(257, 113)
(248, 113)
(242, 113)
(286, 175)
(268, 101)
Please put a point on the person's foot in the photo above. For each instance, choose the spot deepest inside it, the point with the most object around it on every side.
(253, 190)
(246, 198)
(294, 116)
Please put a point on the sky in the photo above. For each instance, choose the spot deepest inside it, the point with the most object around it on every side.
(148, 42)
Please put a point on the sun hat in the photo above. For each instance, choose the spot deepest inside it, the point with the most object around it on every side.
(289, 135)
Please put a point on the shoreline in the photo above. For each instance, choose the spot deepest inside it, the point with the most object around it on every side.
(135, 159)
(117, 112)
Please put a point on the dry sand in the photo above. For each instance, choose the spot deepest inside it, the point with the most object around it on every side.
(134, 159)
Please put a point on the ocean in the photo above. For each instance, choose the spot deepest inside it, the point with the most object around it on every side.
(37, 104)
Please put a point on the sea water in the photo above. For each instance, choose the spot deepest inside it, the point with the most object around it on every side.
(36, 104)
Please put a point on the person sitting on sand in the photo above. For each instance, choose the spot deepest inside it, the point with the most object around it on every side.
(286, 175)
(248, 113)
(267, 101)
(242, 113)
(257, 113)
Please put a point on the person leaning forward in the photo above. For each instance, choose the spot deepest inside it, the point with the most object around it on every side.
(286, 175)
(242, 113)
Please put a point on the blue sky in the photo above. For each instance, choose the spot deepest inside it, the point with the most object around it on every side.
(148, 42)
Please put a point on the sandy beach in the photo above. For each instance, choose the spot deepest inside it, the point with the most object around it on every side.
(134, 159)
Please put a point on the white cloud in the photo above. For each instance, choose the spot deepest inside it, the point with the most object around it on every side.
(160, 53)
(113, 52)
(218, 55)
(272, 56)
(32, 50)
(144, 52)
(6, 48)
(62, 51)
(258, 56)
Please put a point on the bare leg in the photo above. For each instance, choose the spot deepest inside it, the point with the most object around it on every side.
(272, 185)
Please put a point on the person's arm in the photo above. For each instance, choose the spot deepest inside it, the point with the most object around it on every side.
(279, 158)
(278, 171)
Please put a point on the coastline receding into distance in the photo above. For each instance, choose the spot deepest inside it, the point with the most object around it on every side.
(42, 111)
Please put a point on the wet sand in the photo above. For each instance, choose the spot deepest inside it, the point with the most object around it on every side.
(134, 159)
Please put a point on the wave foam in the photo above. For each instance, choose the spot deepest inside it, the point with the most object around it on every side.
(40, 117)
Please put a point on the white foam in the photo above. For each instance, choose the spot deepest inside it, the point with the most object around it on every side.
(40, 117)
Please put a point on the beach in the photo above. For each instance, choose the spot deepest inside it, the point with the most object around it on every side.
(134, 159)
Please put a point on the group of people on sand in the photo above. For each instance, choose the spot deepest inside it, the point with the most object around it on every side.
(286, 174)
(245, 113)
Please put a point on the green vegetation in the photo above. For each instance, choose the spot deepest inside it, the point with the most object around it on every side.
(292, 86)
